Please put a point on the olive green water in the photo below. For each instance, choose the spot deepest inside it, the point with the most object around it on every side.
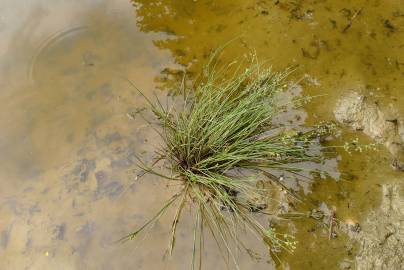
(69, 131)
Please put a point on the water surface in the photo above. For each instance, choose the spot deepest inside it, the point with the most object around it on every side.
(70, 129)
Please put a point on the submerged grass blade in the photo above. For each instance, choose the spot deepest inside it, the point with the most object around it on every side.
(176, 220)
(151, 221)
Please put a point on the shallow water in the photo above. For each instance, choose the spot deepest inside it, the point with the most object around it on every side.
(70, 130)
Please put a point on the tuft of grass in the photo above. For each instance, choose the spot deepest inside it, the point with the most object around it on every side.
(219, 144)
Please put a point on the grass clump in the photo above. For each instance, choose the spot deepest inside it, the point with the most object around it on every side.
(219, 143)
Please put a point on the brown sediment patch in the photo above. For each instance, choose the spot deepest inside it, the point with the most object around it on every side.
(384, 125)
(382, 233)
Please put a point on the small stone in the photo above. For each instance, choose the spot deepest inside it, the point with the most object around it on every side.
(355, 228)
(344, 265)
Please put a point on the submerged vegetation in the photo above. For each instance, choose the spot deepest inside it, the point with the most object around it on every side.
(220, 143)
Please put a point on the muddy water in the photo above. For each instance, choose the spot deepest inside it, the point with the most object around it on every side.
(70, 131)
(69, 135)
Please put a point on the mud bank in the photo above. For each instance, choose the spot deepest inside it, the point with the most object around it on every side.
(382, 236)
(381, 123)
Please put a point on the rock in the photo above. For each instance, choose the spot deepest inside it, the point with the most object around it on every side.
(361, 113)
(382, 236)
(345, 265)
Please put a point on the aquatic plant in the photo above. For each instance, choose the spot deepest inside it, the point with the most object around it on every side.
(219, 143)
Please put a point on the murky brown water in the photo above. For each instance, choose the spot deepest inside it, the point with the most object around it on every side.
(68, 139)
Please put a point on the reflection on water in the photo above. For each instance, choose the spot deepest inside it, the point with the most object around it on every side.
(69, 132)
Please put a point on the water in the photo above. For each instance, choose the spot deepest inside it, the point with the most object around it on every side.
(70, 131)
